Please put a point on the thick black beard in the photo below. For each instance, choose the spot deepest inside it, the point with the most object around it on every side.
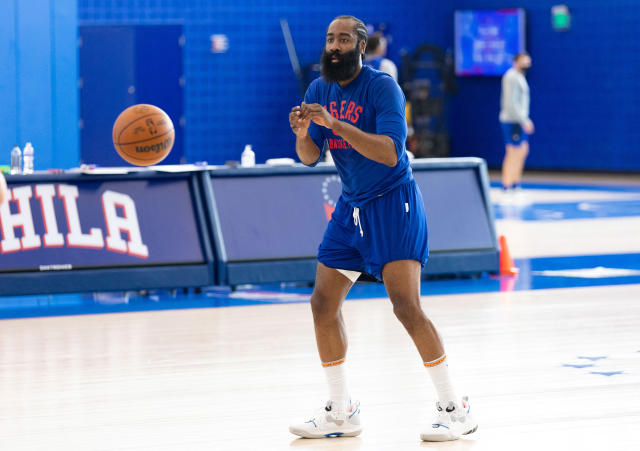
(344, 69)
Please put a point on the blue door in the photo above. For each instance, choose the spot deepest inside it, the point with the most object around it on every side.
(122, 66)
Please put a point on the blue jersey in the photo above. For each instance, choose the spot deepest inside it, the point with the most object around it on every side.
(374, 103)
(374, 62)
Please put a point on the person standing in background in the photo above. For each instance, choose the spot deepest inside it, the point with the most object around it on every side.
(375, 55)
(515, 121)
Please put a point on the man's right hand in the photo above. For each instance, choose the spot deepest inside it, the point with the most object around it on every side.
(528, 127)
(299, 124)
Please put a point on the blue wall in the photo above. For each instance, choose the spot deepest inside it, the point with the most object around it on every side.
(244, 95)
(584, 82)
(38, 80)
(584, 85)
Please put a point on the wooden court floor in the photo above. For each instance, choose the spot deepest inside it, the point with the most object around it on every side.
(232, 378)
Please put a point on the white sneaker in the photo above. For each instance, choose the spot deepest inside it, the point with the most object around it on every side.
(451, 423)
(328, 422)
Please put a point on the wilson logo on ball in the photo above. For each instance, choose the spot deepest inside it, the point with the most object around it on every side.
(143, 135)
(160, 147)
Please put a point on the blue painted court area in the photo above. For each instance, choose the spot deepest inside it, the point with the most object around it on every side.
(571, 210)
(592, 202)
(534, 273)
(574, 187)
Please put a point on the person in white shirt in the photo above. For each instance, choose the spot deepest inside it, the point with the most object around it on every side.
(375, 55)
(515, 121)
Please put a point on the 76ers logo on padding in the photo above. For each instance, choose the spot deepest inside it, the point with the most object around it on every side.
(331, 189)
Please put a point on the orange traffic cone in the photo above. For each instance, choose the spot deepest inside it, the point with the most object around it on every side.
(506, 262)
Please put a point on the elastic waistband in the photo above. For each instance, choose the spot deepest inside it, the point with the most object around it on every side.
(364, 204)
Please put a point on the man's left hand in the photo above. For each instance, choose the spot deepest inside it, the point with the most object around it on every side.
(317, 114)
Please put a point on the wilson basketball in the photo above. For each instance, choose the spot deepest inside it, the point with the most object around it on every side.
(143, 135)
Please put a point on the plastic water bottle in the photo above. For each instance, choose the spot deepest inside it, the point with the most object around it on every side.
(16, 160)
(248, 157)
(27, 158)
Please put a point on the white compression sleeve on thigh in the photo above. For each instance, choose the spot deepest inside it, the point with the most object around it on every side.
(351, 275)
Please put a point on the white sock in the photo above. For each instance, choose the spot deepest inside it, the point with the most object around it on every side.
(337, 382)
(438, 369)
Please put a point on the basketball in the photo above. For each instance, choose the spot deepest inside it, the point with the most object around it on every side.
(143, 135)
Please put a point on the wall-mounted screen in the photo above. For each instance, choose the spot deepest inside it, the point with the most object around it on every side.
(487, 40)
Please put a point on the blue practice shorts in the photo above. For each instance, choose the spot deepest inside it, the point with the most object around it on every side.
(513, 133)
(390, 227)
